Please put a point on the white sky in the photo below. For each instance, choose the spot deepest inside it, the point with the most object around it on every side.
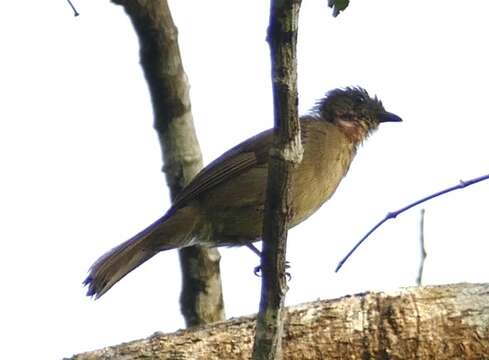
(80, 162)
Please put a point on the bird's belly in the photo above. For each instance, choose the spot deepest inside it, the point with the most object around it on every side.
(241, 224)
(238, 226)
(234, 210)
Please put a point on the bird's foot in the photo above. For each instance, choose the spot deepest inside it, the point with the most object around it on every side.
(257, 271)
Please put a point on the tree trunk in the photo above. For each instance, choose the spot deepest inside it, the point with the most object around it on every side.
(433, 322)
(201, 298)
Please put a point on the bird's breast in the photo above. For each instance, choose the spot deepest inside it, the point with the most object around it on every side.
(327, 157)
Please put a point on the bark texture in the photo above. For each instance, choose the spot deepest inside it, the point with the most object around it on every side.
(434, 322)
(201, 298)
(285, 154)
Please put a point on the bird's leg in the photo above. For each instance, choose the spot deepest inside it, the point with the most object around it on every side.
(254, 249)
(257, 268)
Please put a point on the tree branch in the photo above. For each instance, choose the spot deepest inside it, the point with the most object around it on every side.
(201, 298)
(286, 153)
(434, 322)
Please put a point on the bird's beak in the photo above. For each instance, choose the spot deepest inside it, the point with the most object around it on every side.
(389, 117)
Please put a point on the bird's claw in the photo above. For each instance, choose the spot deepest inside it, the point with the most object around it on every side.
(257, 271)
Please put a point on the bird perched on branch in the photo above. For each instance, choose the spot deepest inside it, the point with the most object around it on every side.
(223, 205)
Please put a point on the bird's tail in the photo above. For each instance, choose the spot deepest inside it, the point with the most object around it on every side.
(169, 232)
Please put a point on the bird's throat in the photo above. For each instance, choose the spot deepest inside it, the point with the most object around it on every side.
(355, 131)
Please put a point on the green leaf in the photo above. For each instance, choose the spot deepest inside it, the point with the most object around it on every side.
(338, 6)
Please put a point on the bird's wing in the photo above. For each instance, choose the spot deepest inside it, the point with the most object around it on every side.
(242, 157)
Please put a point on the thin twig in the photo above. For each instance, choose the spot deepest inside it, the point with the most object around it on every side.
(391, 215)
(419, 280)
(73, 7)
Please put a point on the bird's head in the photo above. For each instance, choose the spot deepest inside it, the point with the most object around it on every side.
(353, 111)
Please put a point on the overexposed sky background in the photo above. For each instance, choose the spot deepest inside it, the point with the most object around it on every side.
(80, 162)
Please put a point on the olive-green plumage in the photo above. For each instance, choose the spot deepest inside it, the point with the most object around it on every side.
(223, 204)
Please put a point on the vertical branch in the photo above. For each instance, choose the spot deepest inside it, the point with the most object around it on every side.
(285, 154)
(419, 279)
(201, 298)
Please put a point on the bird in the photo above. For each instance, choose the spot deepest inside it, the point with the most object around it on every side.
(224, 203)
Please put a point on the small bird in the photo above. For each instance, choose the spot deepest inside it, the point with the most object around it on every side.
(223, 205)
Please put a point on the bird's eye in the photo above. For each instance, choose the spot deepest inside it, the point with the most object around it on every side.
(360, 100)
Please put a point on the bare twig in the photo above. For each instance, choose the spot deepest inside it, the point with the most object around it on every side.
(419, 279)
(73, 7)
(391, 215)
(286, 152)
